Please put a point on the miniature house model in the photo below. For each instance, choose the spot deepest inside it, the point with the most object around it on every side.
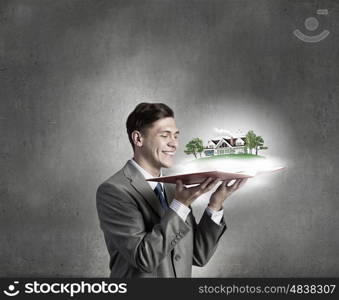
(228, 144)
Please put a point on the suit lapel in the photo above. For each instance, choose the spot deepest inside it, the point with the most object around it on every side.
(143, 188)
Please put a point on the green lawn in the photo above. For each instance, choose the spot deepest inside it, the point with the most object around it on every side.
(240, 156)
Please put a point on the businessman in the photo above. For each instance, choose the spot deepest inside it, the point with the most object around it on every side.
(149, 227)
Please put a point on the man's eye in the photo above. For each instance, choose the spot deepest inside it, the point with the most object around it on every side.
(163, 135)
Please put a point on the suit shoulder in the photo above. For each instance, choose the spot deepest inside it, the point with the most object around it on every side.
(117, 183)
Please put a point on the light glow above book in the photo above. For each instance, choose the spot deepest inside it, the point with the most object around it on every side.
(199, 177)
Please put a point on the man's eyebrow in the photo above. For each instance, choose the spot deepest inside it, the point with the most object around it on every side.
(169, 131)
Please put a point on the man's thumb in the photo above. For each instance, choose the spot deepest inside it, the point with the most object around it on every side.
(179, 185)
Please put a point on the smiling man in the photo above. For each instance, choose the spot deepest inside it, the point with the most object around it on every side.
(149, 227)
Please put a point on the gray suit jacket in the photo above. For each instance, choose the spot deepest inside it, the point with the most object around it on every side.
(142, 239)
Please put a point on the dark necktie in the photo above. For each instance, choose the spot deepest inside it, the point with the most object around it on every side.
(158, 191)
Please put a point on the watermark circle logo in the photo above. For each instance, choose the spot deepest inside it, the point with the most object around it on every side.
(11, 290)
(312, 24)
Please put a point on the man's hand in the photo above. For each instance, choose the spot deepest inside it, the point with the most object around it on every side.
(187, 195)
(223, 191)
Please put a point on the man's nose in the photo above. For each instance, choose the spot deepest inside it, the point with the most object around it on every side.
(173, 142)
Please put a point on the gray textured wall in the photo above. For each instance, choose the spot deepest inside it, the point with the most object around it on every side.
(70, 73)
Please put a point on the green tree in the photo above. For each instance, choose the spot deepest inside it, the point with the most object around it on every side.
(259, 143)
(254, 141)
(250, 140)
(194, 146)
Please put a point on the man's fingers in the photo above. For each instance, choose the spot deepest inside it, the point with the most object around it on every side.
(243, 181)
(223, 185)
(205, 183)
(231, 188)
(205, 186)
(230, 182)
(212, 184)
(237, 184)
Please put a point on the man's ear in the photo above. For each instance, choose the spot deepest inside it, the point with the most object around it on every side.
(137, 138)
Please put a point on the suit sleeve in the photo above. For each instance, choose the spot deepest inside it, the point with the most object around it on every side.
(124, 229)
(206, 236)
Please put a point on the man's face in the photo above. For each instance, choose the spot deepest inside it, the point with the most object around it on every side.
(159, 143)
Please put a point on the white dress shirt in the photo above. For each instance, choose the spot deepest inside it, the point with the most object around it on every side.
(181, 209)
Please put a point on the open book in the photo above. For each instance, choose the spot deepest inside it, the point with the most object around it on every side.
(199, 177)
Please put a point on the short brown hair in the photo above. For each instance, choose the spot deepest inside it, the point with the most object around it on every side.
(144, 115)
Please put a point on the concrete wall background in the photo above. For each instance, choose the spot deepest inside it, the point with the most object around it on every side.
(70, 73)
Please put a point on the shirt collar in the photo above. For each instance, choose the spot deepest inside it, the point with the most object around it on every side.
(147, 175)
